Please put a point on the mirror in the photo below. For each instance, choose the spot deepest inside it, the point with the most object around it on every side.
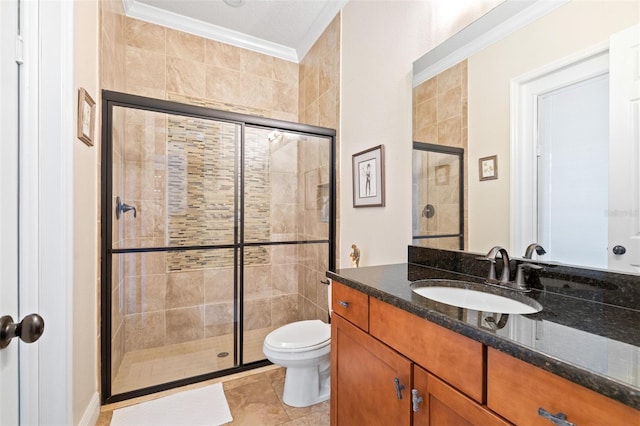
(481, 70)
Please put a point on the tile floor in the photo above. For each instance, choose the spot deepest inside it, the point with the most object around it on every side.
(255, 399)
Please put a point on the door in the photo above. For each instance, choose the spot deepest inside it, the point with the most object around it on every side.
(624, 154)
(437, 403)
(573, 147)
(371, 383)
(9, 389)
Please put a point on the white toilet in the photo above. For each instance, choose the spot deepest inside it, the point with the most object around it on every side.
(304, 348)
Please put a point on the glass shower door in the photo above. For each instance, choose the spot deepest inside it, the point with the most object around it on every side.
(174, 247)
(286, 232)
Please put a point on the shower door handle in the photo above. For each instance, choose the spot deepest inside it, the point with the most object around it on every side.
(123, 208)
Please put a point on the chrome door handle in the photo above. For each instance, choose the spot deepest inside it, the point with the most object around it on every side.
(28, 330)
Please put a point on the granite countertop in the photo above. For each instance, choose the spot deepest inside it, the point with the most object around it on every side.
(595, 345)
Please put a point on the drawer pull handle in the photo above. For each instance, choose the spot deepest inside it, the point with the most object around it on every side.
(415, 400)
(559, 419)
(399, 388)
(343, 304)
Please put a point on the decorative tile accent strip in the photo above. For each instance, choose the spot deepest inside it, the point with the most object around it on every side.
(223, 106)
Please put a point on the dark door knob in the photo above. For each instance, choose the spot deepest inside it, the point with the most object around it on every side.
(618, 250)
(28, 330)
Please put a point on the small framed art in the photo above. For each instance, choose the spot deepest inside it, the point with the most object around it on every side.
(86, 117)
(488, 167)
(368, 177)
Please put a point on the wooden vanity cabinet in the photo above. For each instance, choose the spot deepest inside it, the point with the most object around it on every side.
(374, 343)
(372, 376)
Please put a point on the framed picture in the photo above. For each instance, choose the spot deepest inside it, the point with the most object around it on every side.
(368, 177)
(488, 167)
(86, 117)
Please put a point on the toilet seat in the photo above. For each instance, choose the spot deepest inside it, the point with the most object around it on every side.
(299, 336)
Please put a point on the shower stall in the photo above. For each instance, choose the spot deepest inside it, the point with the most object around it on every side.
(438, 196)
(217, 227)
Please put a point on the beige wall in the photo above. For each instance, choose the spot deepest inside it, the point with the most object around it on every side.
(86, 274)
(571, 28)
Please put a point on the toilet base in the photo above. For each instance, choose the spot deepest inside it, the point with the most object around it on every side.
(305, 386)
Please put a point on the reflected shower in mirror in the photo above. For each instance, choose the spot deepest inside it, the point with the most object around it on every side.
(438, 219)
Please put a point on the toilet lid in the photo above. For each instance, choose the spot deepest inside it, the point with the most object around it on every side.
(301, 334)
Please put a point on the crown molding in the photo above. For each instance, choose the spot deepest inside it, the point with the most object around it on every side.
(329, 12)
(493, 26)
(165, 18)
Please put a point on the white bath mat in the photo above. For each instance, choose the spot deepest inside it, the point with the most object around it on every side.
(204, 406)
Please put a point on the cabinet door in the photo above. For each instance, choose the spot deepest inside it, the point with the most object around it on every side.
(442, 405)
(366, 377)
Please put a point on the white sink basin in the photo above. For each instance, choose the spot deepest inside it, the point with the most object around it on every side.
(478, 300)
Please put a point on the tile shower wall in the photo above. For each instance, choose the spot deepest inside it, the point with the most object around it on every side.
(319, 104)
(150, 60)
(440, 118)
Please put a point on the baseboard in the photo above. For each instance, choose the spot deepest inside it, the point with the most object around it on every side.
(92, 412)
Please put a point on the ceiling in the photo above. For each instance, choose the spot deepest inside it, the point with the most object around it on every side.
(285, 29)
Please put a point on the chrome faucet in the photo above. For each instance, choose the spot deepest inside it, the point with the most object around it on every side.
(505, 275)
(531, 247)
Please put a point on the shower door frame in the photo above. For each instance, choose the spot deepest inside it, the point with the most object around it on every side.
(111, 99)
(459, 152)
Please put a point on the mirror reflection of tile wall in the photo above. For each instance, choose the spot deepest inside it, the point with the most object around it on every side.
(440, 116)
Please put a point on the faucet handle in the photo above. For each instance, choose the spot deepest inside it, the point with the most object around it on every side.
(520, 282)
(492, 266)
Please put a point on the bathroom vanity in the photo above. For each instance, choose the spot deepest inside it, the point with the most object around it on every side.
(399, 358)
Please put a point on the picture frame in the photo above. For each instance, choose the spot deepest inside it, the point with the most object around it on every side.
(488, 167)
(368, 177)
(86, 117)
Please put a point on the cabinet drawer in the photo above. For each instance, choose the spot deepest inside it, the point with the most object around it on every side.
(350, 304)
(454, 358)
(516, 390)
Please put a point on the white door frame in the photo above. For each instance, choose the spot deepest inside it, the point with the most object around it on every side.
(9, 356)
(525, 90)
(46, 206)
